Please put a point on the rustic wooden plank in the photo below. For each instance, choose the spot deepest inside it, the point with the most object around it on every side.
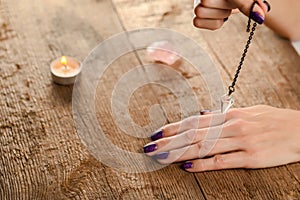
(34, 107)
(44, 159)
(41, 155)
(276, 64)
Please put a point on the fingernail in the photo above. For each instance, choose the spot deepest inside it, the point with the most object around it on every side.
(150, 148)
(268, 5)
(225, 19)
(162, 155)
(204, 112)
(187, 165)
(257, 17)
(157, 135)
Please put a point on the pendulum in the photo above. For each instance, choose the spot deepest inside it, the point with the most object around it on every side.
(227, 100)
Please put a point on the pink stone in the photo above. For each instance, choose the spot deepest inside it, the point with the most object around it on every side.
(163, 51)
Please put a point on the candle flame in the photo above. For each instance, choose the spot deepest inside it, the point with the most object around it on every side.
(63, 60)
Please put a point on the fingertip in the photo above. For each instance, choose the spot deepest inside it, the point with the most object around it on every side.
(195, 22)
(257, 17)
(157, 135)
(260, 8)
(257, 14)
(149, 148)
(187, 166)
(267, 5)
(161, 156)
(254, 9)
(196, 8)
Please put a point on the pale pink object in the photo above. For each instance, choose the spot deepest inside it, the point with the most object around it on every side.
(163, 51)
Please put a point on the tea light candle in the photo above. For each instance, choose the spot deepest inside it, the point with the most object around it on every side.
(64, 70)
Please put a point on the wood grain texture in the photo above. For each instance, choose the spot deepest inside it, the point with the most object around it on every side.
(41, 155)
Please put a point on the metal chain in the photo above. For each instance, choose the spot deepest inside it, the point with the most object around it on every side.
(231, 88)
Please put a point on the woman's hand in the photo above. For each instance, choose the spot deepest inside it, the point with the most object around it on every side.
(211, 14)
(254, 137)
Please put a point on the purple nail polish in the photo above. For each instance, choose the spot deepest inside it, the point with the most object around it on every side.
(225, 19)
(150, 148)
(157, 135)
(162, 155)
(203, 112)
(187, 165)
(257, 17)
(268, 5)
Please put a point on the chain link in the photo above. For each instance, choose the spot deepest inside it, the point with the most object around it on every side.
(231, 88)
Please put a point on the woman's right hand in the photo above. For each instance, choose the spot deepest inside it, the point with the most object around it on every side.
(211, 14)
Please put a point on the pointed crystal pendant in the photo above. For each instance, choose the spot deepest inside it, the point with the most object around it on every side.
(226, 103)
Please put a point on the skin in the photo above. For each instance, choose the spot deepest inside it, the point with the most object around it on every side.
(284, 18)
(253, 137)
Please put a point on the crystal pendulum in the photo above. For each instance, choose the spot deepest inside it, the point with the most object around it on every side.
(226, 103)
(226, 100)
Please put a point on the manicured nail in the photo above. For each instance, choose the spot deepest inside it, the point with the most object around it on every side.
(187, 165)
(204, 112)
(162, 155)
(157, 135)
(225, 19)
(268, 5)
(150, 148)
(257, 17)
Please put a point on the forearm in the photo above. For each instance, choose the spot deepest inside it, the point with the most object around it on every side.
(284, 18)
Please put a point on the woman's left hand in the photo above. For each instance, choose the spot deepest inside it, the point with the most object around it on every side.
(254, 137)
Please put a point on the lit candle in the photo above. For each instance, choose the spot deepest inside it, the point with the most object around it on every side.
(64, 70)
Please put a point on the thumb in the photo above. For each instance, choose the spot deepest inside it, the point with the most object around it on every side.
(260, 8)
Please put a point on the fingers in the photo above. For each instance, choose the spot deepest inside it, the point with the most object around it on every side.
(220, 161)
(245, 6)
(210, 24)
(207, 119)
(194, 122)
(211, 13)
(190, 137)
(199, 150)
(209, 17)
(258, 11)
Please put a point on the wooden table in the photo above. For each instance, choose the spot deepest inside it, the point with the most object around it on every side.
(42, 156)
